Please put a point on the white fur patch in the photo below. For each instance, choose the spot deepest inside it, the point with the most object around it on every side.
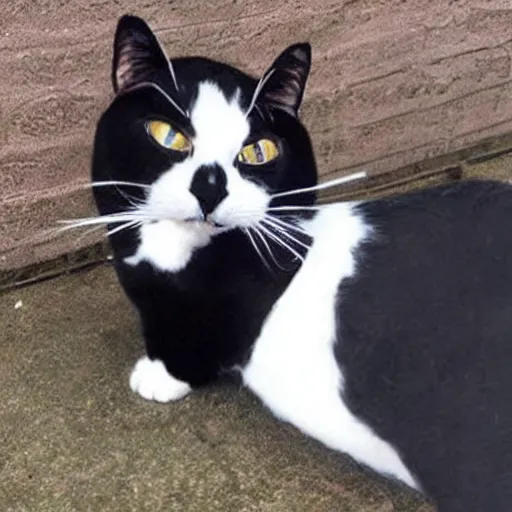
(221, 128)
(169, 244)
(245, 204)
(293, 369)
(220, 124)
(151, 381)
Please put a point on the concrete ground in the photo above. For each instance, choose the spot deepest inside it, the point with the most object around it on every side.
(74, 437)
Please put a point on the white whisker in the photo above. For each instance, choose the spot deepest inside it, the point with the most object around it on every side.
(132, 201)
(268, 248)
(124, 226)
(169, 63)
(296, 208)
(255, 245)
(324, 185)
(173, 74)
(258, 108)
(115, 182)
(85, 234)
(285, 233)
(169, 98)
(263, 80)
(280, 242)
(103, 219)
(286, 225)
(141, 85)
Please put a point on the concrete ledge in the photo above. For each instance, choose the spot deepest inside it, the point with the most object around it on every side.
(74, 437)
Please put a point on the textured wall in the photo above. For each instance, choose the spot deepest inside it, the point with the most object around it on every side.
(393, 82)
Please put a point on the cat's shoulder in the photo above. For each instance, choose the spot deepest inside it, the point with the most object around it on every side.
(448, 204)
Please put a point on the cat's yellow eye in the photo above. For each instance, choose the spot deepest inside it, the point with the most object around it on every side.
(259, 153)
(167, 136)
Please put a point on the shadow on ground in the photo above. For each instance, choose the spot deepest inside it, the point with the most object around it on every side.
(73, 436)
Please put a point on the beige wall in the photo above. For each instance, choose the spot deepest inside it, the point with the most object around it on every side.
(393, 82)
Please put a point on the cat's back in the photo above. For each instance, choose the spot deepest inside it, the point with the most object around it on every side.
(424, 337)
(463, 206)
(448, 248)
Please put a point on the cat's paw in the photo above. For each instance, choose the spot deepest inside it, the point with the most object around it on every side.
(151, 380)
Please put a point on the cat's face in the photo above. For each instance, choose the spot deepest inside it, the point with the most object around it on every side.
(210, 145)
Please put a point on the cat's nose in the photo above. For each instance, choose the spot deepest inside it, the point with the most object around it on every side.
(209, 187)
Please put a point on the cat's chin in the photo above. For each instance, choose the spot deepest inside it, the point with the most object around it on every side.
(203, 222)
(209, 225)
(206, 226)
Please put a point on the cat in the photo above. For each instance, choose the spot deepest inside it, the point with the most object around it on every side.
(381, 328)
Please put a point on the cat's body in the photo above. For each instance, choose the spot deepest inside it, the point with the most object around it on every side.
(380, 328)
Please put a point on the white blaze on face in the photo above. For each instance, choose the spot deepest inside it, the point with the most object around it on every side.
(221, 128)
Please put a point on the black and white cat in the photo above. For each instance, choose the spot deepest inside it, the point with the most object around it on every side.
(382, 328)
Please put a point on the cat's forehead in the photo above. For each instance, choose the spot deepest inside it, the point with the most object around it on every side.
(219, 120)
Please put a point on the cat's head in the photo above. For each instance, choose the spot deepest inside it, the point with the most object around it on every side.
(210, 144)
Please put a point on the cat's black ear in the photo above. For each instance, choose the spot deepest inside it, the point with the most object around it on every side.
(285, 80)
(137, 54)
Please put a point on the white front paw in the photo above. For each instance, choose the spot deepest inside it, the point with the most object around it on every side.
(151, 380)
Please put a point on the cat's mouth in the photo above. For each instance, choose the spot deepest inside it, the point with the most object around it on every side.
(195, 222)
(204, 221)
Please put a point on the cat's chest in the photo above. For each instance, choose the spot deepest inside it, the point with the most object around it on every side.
(293, 368)
(168, 245)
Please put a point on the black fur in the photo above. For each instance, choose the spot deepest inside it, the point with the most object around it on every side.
(425, 339)
(203, 320)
